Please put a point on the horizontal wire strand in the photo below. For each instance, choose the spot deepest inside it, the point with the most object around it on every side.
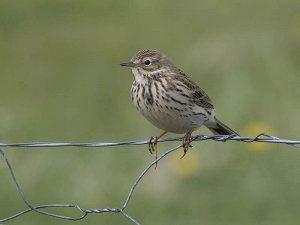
(259, 138)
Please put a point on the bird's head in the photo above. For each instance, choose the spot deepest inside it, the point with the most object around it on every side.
(149, 62)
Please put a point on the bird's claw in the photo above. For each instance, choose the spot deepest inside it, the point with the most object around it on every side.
(152, 147)
(185, 149)
(186, 143)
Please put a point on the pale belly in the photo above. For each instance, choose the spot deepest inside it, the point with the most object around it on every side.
(172, 121)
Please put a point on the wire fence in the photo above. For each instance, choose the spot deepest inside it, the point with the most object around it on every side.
(121, 210)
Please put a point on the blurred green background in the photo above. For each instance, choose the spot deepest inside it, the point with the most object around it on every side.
(61, 82)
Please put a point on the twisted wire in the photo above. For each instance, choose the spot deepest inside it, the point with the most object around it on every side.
(84, 212)
(258, 138)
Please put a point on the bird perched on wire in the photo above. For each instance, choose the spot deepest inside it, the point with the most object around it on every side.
(170, 100)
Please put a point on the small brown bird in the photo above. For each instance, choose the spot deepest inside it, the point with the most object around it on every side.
(166, 97)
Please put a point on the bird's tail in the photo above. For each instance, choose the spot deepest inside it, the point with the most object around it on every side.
(221, 129)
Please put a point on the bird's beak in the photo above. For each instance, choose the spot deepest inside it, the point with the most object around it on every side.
(128, 64)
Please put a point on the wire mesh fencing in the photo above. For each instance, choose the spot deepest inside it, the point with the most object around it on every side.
(41, 209)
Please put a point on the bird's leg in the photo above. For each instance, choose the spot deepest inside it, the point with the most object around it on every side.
(186, 140)
(152, 145)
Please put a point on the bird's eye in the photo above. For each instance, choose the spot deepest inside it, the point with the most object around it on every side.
(147, 62)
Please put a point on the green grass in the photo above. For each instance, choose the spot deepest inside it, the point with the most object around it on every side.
(61, 81)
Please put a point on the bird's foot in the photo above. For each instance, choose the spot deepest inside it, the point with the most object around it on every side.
(152, 145)
(186, 143)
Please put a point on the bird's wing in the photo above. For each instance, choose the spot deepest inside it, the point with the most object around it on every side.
(200, 97)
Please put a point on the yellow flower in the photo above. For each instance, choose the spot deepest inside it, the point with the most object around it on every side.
(187, 166)
(253, 129)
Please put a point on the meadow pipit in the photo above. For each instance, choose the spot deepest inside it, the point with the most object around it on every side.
(166, 97)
